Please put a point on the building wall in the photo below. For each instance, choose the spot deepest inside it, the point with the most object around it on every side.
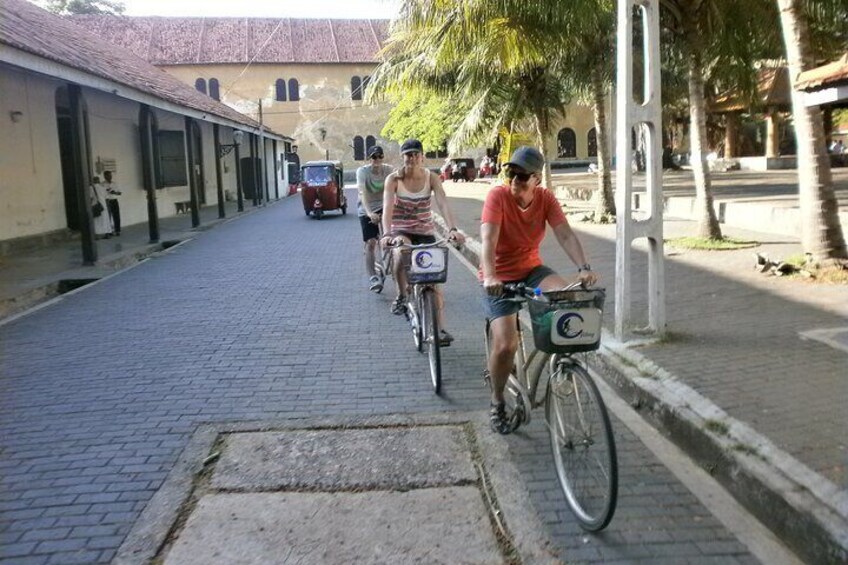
(326, 119)
(32, 196)
(32, 200)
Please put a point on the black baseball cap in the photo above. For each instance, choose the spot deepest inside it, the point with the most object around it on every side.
(411, 146)
(375, 150)
(528, 158)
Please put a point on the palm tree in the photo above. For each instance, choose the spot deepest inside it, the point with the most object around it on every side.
(509, 80)
(715, 37)
(821, 233)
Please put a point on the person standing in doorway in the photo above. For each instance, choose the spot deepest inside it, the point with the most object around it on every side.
(112, 194)
(370, 180)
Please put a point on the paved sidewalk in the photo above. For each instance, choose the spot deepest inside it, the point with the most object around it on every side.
(751, 378)
(29, 277)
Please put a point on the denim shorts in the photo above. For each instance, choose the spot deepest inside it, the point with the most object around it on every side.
(497, 306)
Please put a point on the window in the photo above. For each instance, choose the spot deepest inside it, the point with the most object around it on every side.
(567, 143)
(369, 143)
(317, 175)
(355, 88)
(172, 159)
(281, 89)
(358, 148)
(214, 89)
(200, 85)
(592, 140)
(294, 90)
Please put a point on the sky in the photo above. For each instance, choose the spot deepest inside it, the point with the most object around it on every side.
(264, 8)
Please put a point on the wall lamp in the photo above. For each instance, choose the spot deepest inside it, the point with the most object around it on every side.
(225, 149)
(16, 115)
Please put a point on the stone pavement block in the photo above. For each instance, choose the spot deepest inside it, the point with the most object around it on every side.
(372, 527)
(346, 459)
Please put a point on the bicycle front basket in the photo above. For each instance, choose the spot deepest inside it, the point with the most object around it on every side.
(567, 321)
(428, 265)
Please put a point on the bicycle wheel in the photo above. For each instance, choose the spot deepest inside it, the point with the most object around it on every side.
(430, 327)
(415, 315)
(583, 446)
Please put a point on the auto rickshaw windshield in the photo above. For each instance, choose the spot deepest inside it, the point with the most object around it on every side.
(317, 176)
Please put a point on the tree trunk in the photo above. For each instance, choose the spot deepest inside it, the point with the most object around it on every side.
(821, 234)
(604, 201)
(707, 222)
(731, 132)
(772, 134)
(542, 127)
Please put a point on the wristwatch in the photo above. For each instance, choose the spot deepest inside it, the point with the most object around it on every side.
(584, 267)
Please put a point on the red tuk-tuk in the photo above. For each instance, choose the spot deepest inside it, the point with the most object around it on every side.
(322, 187)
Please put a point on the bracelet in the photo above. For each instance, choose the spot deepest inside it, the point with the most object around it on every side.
(584, 267)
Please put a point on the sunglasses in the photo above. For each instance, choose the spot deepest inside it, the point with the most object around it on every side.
(522, 177)
(377, 156)
(413, 153)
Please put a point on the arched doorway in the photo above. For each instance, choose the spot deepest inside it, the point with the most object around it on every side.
(566, 143)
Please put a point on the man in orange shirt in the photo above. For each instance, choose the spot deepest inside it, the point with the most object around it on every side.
(513, 226)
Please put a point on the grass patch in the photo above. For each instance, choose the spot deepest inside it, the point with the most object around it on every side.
(718, 428)
(703, 243)
(746, 449)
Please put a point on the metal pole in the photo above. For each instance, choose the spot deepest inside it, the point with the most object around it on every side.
(82, 179)
(276, 171)
(239, 187)
(219, 174)
(192, 178)
(148, 169)
(254, 152)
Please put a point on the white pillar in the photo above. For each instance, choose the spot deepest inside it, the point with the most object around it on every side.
(649, 115)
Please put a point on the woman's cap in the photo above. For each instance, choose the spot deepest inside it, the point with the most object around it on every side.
(411, 146)
(528, 158)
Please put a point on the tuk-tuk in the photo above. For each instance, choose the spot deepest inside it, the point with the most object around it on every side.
(322, 187)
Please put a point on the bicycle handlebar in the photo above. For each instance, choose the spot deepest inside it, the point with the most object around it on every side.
(522, 291)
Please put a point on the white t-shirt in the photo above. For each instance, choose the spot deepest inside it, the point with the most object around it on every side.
(371, 185)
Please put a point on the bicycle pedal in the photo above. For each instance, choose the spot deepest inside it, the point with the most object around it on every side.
(487, 378)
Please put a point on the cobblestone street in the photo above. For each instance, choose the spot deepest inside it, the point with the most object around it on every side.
(264, 318)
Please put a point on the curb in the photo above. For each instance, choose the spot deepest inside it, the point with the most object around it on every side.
(805, 510)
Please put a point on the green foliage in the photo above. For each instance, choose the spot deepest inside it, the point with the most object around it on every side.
(430, 118)
(65, 7)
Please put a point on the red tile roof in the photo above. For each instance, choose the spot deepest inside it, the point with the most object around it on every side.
(185, 41)
(28, 28)
(772, 92)
(826, 76)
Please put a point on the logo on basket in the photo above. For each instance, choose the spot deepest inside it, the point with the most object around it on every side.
(424, 259)
(570, 325)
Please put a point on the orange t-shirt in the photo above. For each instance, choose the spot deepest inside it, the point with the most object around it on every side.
(521, 230)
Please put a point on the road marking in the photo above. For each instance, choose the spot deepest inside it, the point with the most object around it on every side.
(836, 338)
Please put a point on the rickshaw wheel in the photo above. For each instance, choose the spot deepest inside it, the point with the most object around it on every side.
(318, 214)
(344, 209)
(307, 212)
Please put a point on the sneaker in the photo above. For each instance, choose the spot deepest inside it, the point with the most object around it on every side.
(399, 305)
(498, 420)
(445, 338)
(375, 284)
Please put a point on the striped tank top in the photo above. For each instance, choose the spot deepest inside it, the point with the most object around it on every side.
(413, 212)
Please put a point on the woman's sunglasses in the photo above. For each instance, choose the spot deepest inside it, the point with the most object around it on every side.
(522, 177)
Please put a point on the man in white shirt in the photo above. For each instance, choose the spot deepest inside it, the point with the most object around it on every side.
(112, 205)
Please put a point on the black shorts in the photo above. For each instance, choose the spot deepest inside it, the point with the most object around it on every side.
(369, 229)
(498, 306)
(418, 239)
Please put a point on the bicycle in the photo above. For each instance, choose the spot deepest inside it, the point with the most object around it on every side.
(564, 323)
(426, 266)
(383, 259)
